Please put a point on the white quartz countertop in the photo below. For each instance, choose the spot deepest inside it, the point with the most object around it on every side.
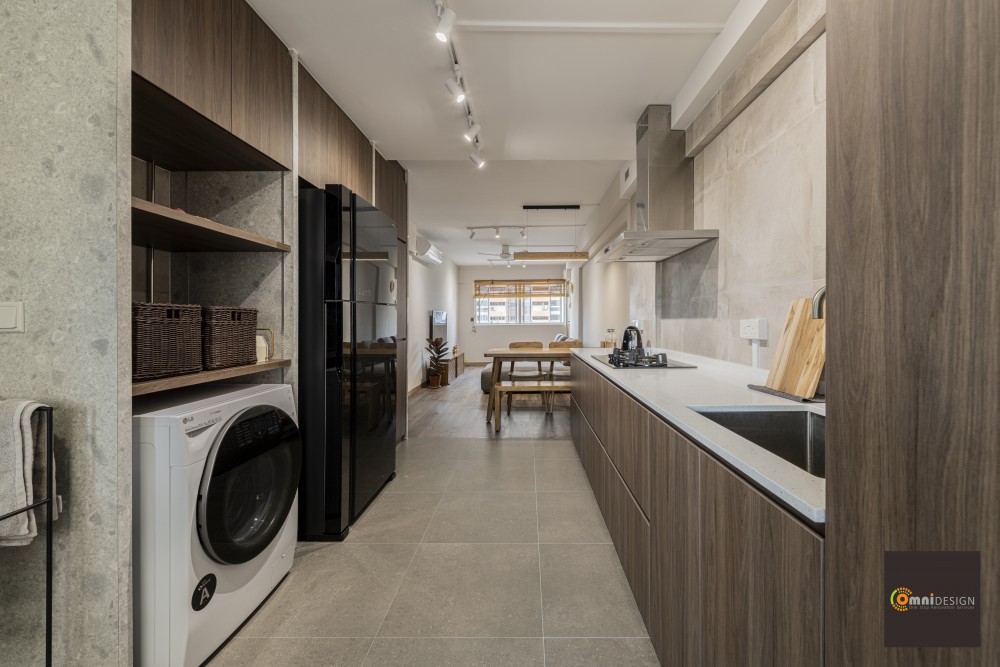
(672, 393)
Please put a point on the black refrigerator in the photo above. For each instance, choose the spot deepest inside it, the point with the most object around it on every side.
(347, 358)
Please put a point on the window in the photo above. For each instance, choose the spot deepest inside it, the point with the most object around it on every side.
(520, 301)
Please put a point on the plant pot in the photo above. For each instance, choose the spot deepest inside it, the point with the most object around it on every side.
(434, 381)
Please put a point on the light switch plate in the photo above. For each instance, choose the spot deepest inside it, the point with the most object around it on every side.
(12, 317)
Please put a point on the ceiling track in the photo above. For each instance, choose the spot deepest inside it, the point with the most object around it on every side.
(605, 27)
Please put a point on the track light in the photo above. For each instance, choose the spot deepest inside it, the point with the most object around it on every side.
(472, 234)
(455, 88)
(496, 232)
(472, 132)
(479, 162)
(445, 25)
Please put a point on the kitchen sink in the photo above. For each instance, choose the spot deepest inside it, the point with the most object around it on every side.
(797, 436)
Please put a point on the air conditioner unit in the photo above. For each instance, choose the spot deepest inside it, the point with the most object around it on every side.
(425, 252)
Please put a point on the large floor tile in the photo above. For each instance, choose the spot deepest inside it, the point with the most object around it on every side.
(453, 449)
(421, 476)
(341, 590)
(517, 476)
(555, 449)
(585, 593)
(571, 518)
(600, 653)
(561, 475)
(455, 652)
(468, 590)
(259, 652)
(484, 517)
(395, 517)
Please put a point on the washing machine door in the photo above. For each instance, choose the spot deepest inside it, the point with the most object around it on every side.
(250, 480)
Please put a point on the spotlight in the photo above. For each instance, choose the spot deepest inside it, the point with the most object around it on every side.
(496, 232)
(455, 88)
(445, 25)
(472, 234)
(473, 132)
(524, 233)
(478, 161)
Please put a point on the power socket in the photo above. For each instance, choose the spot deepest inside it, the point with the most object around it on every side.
(753, 329)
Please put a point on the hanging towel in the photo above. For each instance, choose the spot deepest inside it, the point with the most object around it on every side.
(22, 438)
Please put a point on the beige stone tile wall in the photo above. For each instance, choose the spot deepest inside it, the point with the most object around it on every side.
(64, 252)
(762, 184)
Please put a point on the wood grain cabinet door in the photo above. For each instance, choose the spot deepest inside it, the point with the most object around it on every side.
(675, 534)
(262, 86)
(184, 47)
(761, 577)
(317, 131)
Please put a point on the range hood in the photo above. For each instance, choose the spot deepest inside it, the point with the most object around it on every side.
(661, 224)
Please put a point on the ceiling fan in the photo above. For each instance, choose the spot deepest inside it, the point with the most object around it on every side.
(505, 254)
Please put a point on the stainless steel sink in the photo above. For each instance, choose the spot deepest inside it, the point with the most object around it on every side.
(797, 436)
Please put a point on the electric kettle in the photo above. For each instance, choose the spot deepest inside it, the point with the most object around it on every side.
(631, 339)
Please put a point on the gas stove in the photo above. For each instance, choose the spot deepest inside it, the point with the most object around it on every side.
(639, 359)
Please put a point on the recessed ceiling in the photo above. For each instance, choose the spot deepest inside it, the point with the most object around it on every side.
(557, 87)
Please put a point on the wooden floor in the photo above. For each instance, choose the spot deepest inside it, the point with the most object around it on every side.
(459, 411)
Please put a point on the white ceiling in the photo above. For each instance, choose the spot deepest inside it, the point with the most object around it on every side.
(556, 84)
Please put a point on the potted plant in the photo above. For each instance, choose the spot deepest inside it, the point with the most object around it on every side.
(437, 365)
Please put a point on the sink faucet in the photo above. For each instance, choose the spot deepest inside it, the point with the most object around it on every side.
(819, 300)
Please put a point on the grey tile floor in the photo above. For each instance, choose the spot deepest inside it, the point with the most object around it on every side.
(480, 552)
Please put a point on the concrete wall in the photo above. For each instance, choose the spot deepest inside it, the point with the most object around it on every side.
(65, 253)
(474, 340)
(762, 184)
(429, 288)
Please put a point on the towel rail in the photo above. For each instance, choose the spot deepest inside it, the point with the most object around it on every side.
(49, 502)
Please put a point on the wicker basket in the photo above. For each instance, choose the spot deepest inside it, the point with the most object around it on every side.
(166, 340)
(229, 336)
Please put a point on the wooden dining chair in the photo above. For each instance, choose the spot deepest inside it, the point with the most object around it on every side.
(562, 372)
(524, 371)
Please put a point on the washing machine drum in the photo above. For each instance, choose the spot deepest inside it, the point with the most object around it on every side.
(249, 484)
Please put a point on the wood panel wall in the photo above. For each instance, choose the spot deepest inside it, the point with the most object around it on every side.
(913, 370)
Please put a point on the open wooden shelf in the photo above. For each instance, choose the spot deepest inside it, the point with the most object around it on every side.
(165, 384)
(156, 226)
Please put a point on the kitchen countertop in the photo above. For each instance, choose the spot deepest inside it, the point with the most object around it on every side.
(671, 393)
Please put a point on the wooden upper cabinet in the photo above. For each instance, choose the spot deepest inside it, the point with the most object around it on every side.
(184, 47)
(262, 86)
(400, 188)
(317, 131)
(391, 192)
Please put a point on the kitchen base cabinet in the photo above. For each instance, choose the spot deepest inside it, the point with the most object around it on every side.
(721, 574)
(627, 525)
(675, 592)
(761, 577)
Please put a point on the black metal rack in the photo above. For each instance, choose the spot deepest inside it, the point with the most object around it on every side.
(48, 502)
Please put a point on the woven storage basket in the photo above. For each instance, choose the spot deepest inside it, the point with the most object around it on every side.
(166, 340)
(228, 336)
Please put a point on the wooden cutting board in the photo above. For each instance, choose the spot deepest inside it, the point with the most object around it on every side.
(801, 354)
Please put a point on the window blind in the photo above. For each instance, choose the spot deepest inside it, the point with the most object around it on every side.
(520, 289)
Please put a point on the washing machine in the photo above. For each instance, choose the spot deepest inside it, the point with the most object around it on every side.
(215, 514)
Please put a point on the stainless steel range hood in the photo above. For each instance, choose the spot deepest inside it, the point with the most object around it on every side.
(661, 224)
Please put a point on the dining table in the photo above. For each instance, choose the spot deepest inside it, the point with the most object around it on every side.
(514, 354)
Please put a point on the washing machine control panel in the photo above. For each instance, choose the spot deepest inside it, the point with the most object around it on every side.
(200, 421)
